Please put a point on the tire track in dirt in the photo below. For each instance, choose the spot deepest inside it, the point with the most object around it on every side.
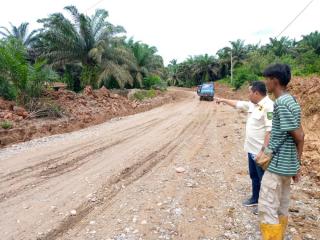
(189, 131)
(65, 167)
(70, 162)
(75, 149)
(127, 177)
(65, 154)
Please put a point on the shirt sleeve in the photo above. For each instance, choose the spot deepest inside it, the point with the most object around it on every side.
(288, 121)
(243, 105)
(268, 115)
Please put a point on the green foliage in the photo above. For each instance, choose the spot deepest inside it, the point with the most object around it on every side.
(144, 94)
(110, 83)
(241, 75)
(7, 91)
(6, 124)
(19, 78)
(226, 81)
(162, 86)
(194, 71)
(308, 63)
(89, 50)
(89, 76)
(149, 82)
(311, 42)
(71, 76)
(146, 62)
(13, 64)
(20, 33)
(88, 41)
(249, 61)
(281, 47)
(37, 75)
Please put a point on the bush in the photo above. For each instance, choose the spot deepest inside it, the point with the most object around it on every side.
(162, 86)
(226, 81)
(40, 109)
(6, 125)
(27, 79)
(309, 63)
(187, 84)
(7, 91)
(71, 76)
(145, 94)
(110, 83)
(37, 75)
(242, 75)
(148, 82)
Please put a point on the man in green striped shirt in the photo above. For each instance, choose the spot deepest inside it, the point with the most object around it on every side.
(286, 144)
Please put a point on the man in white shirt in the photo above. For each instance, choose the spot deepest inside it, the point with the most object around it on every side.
(258, 128)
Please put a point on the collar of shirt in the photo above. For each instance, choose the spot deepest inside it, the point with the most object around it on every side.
(260, 104)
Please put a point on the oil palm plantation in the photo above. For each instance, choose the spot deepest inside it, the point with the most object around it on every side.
(90, 42)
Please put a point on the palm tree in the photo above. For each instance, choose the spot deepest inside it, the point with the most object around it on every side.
(239, 51)
(116, 63)
(20, 33)
(173, 69)
(311, 41)
(15, 69)
(239, 55)
(184, 74)
(224, 59)
(13, 64)
(204, 68)
(147, 62)
(90, 42)
(281, 47)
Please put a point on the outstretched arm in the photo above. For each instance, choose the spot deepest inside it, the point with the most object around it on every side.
(232, 103)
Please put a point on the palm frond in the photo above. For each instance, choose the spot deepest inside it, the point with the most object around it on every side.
(74, 13)
(98, 22)
(5, 34)
(119, 72)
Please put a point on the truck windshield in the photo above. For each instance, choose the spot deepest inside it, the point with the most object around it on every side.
(207, 86)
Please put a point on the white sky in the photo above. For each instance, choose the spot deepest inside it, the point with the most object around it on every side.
(179, 28)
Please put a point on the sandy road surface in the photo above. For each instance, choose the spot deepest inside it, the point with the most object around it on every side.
(118, 180)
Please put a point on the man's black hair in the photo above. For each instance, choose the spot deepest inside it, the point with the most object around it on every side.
(259, 86)
(279, 71)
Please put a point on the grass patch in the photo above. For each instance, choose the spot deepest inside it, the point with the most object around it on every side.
(6, 125)
(145, 94)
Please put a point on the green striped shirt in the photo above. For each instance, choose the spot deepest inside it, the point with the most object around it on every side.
(286, 118)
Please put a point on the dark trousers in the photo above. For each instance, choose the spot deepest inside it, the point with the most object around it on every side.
(256, 174)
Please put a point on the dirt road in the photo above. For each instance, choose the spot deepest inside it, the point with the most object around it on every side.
(118, 180)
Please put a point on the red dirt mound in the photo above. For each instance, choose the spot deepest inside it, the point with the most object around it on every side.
(78, 111)
(307, 92)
